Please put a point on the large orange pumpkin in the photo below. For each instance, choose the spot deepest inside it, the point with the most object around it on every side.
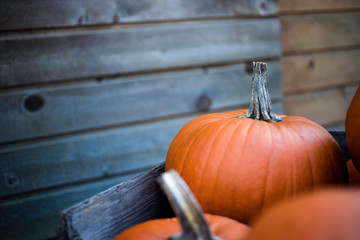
(237, 163)
(222, 227)
(330, 215)
(352, 129)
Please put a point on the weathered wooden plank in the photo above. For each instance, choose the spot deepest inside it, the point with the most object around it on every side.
(116, 209)
(318, 71)
(81, 157)
(73, 107)
(68, 54)
(22, 14)
(294, 6)
(323, 107)
(319, 31)
(37, 217)
(48, 163)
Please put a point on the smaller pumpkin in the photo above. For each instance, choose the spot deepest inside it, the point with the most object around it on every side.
(327, 214)
(191, 220)
(352, 129)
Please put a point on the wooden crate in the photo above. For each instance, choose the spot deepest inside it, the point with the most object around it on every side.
(108, 213)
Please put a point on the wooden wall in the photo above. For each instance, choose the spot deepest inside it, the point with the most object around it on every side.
(321, 55)
(91, 94)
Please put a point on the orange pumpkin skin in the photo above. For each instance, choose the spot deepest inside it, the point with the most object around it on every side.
(225, 228)
(354, 175)
(352, 129)
(236, 167)
(330, 215)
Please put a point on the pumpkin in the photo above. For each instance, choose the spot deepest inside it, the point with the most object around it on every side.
(158, 229)
(352, 129)
(328, 214)
(236, 163)
(191, 223)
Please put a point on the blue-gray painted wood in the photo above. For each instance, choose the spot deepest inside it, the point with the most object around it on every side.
(81, 106)
(70, 159)
(22, 14)
(37, 217)
(69, 53)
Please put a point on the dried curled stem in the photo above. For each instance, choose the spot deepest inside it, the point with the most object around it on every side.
(260, 104)
(186, 208)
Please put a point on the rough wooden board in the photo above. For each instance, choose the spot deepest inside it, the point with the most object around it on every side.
(319, 31)
(294, 6)
(68, 54)
(116, 209)
(49, 163)
(318, 71)
(37, 217)
(70, 159)
(323, 107)
(22, 14)
(74, 107)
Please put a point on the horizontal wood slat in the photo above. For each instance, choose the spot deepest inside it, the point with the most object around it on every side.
(74, 107)
(317, 71)
(349, 94)
(321, 31)
(65, 160)
(325, 107)
(295, 6)
(22, 14)
(122, 206)
(69, 54)
(37, 217)
(76, 158)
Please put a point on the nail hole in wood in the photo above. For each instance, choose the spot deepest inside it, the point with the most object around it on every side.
(11, 180)
(34, 103)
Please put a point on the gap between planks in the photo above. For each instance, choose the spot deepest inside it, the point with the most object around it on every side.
(91, 27)
(320, 50)
(110, 77)
(25, 196)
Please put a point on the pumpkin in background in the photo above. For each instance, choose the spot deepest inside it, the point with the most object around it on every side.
(352, 129)
(329, 214)
(158, 229)
(238, 163)
(191, 222)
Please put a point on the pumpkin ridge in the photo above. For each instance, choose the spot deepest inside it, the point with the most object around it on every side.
(209, 153)
(184, 156)
(219, 130)
(308, 157)
(224, 153)
(330, 156)
(267, 172)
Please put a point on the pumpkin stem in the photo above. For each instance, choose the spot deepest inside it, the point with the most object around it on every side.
(186, 208)
(260, 103)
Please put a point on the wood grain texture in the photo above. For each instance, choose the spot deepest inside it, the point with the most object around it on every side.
(23, 14)
(295, 6)
(82, 157)
(325, 107)
(37, 217)
(116, 209)
(69, 54)
(320, 71)
(74, 107)
(95, 155)
(319, 31)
